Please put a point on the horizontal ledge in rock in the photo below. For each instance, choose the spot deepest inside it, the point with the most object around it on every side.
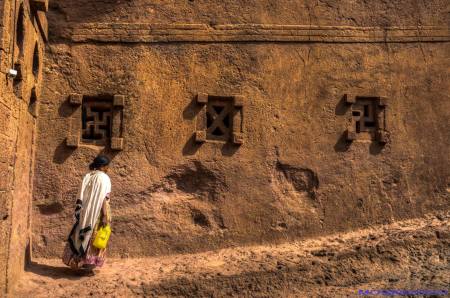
(148, 33)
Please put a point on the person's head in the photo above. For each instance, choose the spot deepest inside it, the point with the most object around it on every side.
(100, 163)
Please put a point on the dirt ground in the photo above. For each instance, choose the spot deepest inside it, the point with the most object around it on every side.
(412, 254)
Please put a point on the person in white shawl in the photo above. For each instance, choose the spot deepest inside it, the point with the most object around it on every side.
(91, 211)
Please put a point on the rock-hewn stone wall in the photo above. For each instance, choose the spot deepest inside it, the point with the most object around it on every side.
(21, 49)
(297, 173)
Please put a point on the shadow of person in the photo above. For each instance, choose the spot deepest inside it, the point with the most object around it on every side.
(57, 272)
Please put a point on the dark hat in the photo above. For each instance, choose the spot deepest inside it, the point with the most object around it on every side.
(99, 161)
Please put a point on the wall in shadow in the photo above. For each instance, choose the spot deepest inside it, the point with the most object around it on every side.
(191, 110)
(229, 149)
(376, 148)
(342, 145)
(342, 107)
(62, 152)
(191, 147)
(65, 109)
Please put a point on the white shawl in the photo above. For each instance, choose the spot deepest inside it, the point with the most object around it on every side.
(95, 188)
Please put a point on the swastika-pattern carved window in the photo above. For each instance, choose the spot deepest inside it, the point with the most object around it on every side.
(363, 113)
(96, 120)
(220, 119)
(368, 118)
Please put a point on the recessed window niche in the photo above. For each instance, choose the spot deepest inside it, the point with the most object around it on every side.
(368, 118)
(220, 119)
(96, 120)
(36, 61)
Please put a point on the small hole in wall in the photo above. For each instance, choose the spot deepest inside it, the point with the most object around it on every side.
(226, 121)
(209, 120)
(366, 110)
(36, 62)
(218, 109)
(369, 124)
(217, 132)
(32, 105)
(200, 219)
(20, 31)
(20, 35)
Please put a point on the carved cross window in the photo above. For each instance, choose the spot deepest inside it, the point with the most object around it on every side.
(220, 119)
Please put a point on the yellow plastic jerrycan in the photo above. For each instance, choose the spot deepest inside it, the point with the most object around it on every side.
(102, 237)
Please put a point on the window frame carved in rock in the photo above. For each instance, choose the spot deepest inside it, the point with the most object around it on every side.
(96, 120)
(367, 118)
(220, 119)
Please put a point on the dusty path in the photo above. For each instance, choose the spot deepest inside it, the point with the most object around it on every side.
(412, 254)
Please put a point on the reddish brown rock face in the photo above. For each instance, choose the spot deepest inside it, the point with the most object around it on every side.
(195, 173)
(22, 36)
(229, 123)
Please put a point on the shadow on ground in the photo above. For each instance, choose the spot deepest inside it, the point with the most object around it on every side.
(57, 272)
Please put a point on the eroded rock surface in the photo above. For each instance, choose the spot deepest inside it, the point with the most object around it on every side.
(280, 165)
(408, 255)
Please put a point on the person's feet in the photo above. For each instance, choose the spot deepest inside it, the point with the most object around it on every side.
(88, 269)
(84, 273)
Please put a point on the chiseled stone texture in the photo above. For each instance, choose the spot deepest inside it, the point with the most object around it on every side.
(294, 175)
(21, 48)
